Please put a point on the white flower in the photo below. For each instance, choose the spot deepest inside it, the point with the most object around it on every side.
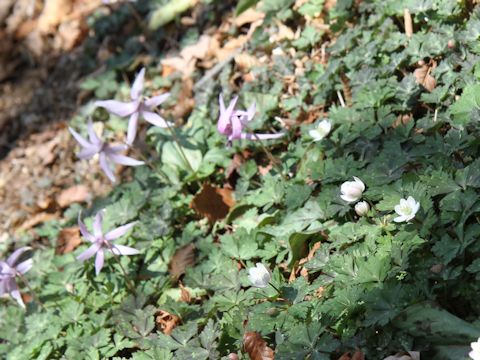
(259, 276)
(352, 190)
(322, 130)
(362, 208)
(475, 353)
(406, 209)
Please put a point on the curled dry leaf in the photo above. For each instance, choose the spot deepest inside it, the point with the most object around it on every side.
(409, 355)
(213, 203)
(357, 355)
(166, 322)
(181, 260)
(423, 77)
(248, 16)
(68, 240)
(256, 347)
(74, 194)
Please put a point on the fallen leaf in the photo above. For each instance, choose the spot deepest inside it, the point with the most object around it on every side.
(409, 355)
(198, 50)
(54, 11)
(213, 203)
(246, 61)
(68, 240)
(248, 16)
(184, 294)
(166, 322)
(423, 77)
(181, 260)
(74, 194)
(256, 347)
(36, 220)
(358, 355)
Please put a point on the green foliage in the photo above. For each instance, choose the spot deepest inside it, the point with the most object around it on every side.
(371, 283)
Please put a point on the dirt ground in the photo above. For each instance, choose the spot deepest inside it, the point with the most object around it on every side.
(39, 174)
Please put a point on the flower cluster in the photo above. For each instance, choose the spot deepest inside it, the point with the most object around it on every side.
(352, 191)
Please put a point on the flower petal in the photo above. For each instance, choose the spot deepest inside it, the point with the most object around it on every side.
(91, 251)
(80, 139)
(400, 218)
(24, 266)
(224, 120)
(137, 87)
(262, 136)
(87, 153)
(117, 107)
(13, 258)
(120, 231)
(99, 260)
(132, 128)
(153, 102)
(154, 119)
(97, 225)
(359, 183)
(92, 135)
(106, 167)
(15, 294)
(124, 250)
(124, 160)
(83, 229)
(236, 128)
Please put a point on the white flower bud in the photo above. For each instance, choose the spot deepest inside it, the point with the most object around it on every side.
(322, 130)
(259, 276)
(362, 208)
(352, 190)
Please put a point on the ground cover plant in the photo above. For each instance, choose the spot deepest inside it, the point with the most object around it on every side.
(319, 200)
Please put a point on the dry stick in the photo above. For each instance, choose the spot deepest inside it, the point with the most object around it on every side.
(407, 18)
(34, 294)
(127, 278)
(340, 98)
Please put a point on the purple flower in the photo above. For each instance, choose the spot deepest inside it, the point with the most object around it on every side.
(101, 242)
(138, 107)
(108, 155)
(231, 122)
(9, 270)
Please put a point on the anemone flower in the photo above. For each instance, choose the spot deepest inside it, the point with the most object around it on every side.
(102, 243)
(108, 155)
(138, 107)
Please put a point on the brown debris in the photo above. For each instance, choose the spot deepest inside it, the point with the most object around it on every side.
(423, 77)
(166, 322)
(74, 194)
(256, 347)
(68, 240)
(357, 355)
(212, 202)
(183, 258)
(407, 18)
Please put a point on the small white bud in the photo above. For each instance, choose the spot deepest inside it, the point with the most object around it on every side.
(259, 276)
(362, 208)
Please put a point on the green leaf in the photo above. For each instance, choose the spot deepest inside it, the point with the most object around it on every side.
(463, 109)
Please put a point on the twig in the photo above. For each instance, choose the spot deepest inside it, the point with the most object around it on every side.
(340, 98)
(407, 18)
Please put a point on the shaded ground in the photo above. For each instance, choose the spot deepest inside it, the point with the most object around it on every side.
(37, 159)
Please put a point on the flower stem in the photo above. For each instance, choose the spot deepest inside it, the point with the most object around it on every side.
(180, 148)
(34, 294)
(278, 291)
(270, 156)
(127, 278)
(149, 163)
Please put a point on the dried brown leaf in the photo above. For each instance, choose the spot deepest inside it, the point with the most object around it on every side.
(423, 77)
(213, 203)
(256, 347)
(53, 14)
(36, 220)
(358, 355)
(74, 194)
(181, 260)
(249, 16)
(68, 240)
(245, 61)
(166, 322)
